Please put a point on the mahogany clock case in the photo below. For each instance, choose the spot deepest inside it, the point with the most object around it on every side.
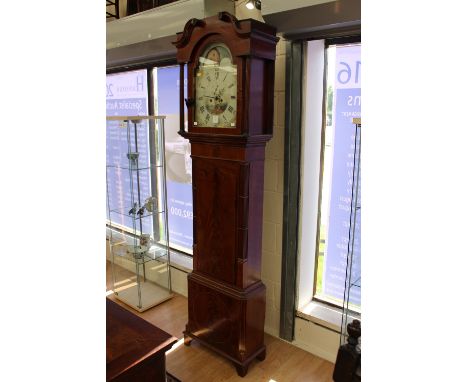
(226, 298)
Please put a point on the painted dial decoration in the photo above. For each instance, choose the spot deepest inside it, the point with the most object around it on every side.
(215, 88)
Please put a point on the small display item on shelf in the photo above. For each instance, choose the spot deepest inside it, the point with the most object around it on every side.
(133, 157)
(145, 240)
(151, 204)
(133, 209)
(137, 250)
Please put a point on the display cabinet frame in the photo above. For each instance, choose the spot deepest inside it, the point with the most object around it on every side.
(137, 223)
(352, 281)
(348, 360)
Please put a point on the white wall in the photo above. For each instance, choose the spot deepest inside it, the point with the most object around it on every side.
(309, 336)
(273, 200)
(316, 339)
(310, 167)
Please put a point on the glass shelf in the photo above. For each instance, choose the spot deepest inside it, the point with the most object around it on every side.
(124, 211)
(153, 253)
(356, 283)
(137, 118)
(133, 168)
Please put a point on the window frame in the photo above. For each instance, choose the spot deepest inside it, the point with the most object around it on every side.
(328, 43)
(292, 200)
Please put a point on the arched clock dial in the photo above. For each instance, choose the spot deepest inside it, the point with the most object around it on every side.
(216, 88)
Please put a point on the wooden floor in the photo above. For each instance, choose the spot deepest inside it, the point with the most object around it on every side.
(195, 363)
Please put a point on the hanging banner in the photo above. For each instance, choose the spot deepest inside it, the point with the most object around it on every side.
(178, 160)
(127, 95)
(347, 105)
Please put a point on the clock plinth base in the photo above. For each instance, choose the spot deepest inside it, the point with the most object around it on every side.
(187, 340)
(241, 367)
(227, 320)
(261, 356)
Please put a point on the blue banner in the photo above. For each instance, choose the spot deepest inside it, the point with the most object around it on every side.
(178, 160)
(127, 96)
(347, 105)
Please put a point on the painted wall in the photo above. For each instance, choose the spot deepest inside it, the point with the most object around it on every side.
(275, 6)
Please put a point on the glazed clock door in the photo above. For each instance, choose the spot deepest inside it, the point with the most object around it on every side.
(215, 88)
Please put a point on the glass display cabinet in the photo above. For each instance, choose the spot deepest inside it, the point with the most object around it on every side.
(137, 228)
(348, 361)
(353, 271)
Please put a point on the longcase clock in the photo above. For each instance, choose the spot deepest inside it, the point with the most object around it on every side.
(230, 70)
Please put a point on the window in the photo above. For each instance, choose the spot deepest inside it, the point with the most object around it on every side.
(178, 160)
(331, 97)
(343, 102)
(127, 94)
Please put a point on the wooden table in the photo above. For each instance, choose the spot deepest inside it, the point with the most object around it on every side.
(135, 349)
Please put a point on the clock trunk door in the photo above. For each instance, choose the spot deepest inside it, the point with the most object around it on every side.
(215, 202)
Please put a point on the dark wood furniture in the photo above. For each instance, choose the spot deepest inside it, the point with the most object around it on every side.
(348, 360)
(135, 349)
(226, 298)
